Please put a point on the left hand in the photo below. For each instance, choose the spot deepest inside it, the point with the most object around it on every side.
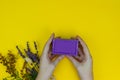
(48, 61)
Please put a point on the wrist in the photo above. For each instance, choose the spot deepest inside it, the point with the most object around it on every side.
(42, 77)
(88, 76)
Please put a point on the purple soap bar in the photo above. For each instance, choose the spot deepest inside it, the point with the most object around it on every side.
(65, 47)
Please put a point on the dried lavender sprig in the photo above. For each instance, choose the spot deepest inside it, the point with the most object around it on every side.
(38, 57)
(32, 55)
(9, 61)
(28, 48)
(35, 45)
(27, 59)
(19, 51)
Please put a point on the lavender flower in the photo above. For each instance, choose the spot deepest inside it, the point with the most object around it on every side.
(33, 56)
(30, 68)
(30, 58)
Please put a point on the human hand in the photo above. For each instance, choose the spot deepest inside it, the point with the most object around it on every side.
(48, 61)
(83, 61)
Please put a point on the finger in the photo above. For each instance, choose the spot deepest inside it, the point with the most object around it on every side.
(85, 48)
(78, 59)
(58, 59)
(80, 56)
(47, 46)
(51, 56)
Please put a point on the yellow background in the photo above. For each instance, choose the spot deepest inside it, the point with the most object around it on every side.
(96, 21)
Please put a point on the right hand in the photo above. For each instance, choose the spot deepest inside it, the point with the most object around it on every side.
(83, 61)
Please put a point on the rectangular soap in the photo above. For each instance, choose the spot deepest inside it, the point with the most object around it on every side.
(65, 47)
